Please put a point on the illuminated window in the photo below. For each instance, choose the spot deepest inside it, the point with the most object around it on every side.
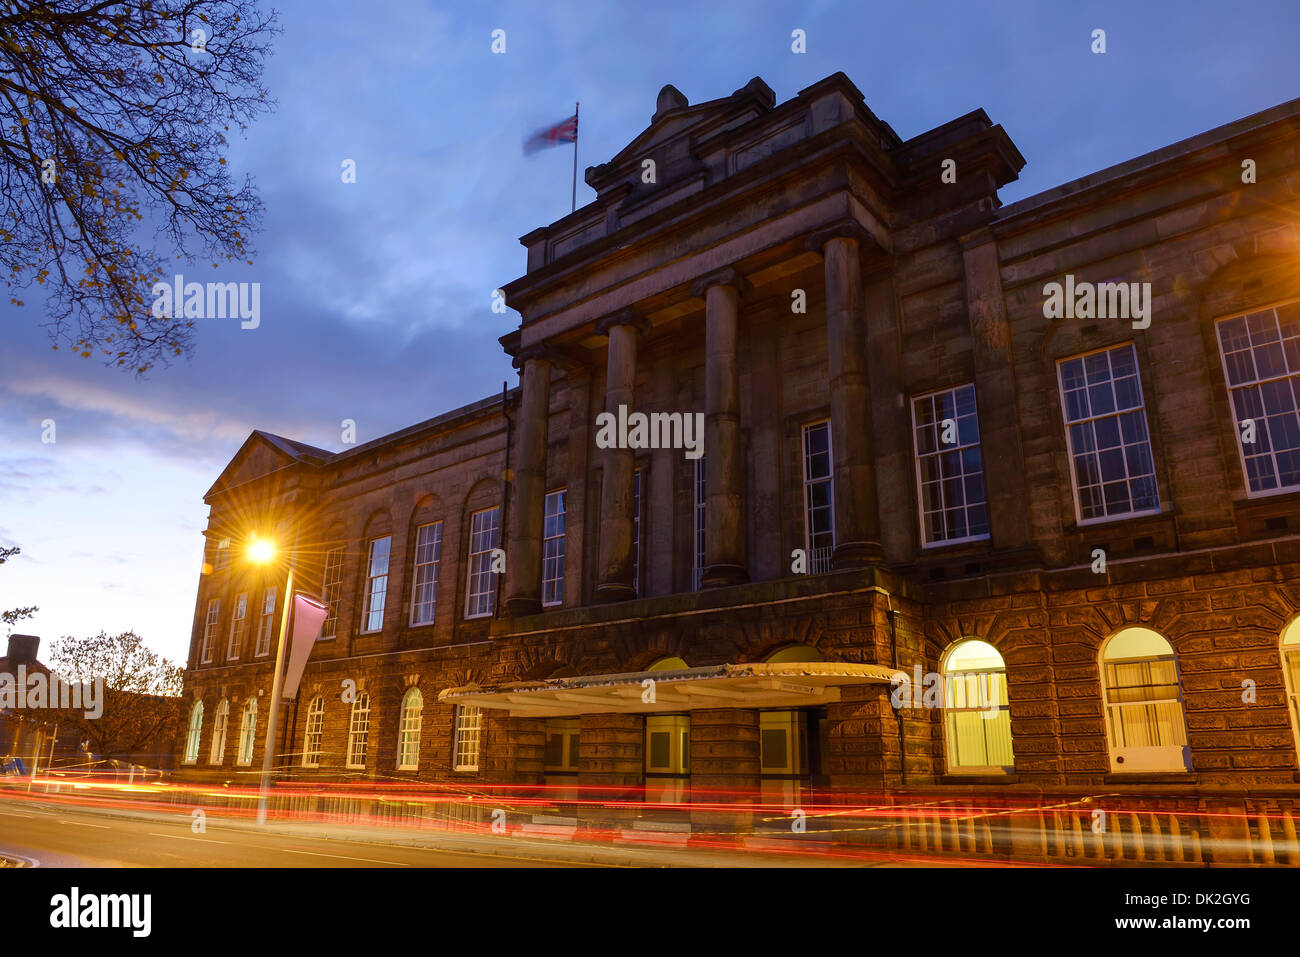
(697, 568)
(1144, 704)
(480, 599)
(1261, 360)
(331, 590)
(223, 554)
(668, 744)
(553, 549)
(469, 728)
(238, 619)
(428, 559)
(949, 466)
(247, 732)
(408, 732)
(210, 629)
(818, 497)
(1291, 670)
(376, 584)
(359, 731)
(266, 622)
(217, 753)
(315, 731)
(1111, 464)
(976, 713)
(192, 736)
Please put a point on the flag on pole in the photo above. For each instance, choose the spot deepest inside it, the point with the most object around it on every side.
(566, 131)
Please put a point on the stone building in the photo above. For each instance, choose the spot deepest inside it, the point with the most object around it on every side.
(1043, 459)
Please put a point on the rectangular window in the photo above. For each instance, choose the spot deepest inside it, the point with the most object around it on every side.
(266, 622)
(636, 531)
(977, 722)
(480, 599)
(235, 647)
(1111, 463)
(210, 630)
(469, 726)
(428, 558)
(331, 590)
(561, 755)
(1261, 361)
(553, 549)
(1144, 704)
(376, 584)
(668, 744)
(697, 568)
(818, 497)
(223, 554)
(949, 466)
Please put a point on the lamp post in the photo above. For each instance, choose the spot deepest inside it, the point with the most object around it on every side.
(262, 551)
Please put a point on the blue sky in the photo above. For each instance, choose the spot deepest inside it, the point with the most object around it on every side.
(376, 296)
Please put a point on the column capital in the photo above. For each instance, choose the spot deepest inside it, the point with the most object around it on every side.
(624, 317)
(555, 355)
(727, 276)
(844, 229)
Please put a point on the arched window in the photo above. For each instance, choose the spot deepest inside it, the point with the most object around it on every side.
(794, 653)
(315, 730)
(669, 664)
(196, 729)
(1144, 704)
(359, 731)
(217, 753)
(976, 712)
(408, 731)
(247, 732)
(1291, 669)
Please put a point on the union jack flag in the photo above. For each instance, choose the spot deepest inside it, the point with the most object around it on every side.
(566, 131)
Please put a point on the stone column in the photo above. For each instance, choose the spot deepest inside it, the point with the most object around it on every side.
(725, 556)
(614, 568)
(524, 544)
(857, 516)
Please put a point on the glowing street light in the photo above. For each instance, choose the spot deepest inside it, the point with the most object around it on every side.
(261, 551)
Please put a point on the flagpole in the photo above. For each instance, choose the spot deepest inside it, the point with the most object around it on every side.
(574, 206)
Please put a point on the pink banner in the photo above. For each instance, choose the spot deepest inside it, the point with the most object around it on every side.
(308, 616)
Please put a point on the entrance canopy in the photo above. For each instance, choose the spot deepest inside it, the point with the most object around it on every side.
(790, 684)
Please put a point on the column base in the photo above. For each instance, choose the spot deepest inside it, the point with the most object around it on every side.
(718, 576)
(609, 592)
(857, 555)
(520, 607)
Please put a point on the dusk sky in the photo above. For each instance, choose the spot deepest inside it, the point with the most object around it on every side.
(376, 296)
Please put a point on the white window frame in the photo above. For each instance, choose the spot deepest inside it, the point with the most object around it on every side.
(266, 622)
(247, 732)
(220, 722)
(378, 563)
(636, 531)
(553, 525)
(426, 567)
(238, 625)
(193, 734)
(1261, 423)
(818, 563)
(480, 584)
(313, 732)
(919, 457)
(699, 500)
(1069, 442)
(331, 592)
(469, 738)
(410, 721)
(210, 620)
(359, 731)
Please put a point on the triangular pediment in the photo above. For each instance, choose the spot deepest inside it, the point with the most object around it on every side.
(261, 454)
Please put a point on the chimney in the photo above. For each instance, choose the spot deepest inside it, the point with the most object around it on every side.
(22, 649)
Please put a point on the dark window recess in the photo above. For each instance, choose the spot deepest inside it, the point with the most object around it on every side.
(1146, 541)
(937, 574)
(1277, 523)
(974, 568)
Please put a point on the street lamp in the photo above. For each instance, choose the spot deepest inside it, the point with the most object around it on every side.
(262, 551)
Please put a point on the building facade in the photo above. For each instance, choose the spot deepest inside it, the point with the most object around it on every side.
(1042, 459)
